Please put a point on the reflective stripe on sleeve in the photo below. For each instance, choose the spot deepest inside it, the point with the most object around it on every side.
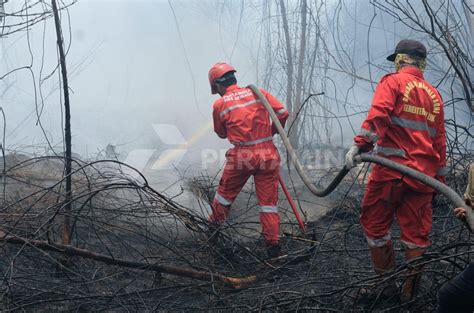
(222, 200)
(268, 209)
(378, 242)
(253, 142)
(389, 151)
(238, 106)
(403, 122)
(442, 171)
(281, 111)
(368, 134)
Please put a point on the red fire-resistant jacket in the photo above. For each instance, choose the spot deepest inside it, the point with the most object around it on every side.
(406, 121)
(242, 118)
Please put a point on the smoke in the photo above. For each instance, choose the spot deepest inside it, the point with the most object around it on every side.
(134, 65)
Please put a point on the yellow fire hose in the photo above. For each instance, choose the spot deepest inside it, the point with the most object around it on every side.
(427, 180)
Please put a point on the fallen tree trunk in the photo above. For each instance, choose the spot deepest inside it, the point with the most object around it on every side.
(173, 270)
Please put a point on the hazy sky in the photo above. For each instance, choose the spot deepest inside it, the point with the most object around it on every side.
(129, 69)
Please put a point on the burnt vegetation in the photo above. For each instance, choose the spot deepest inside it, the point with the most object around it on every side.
(95, 235)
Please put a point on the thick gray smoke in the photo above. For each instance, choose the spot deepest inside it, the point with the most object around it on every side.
(138, 77)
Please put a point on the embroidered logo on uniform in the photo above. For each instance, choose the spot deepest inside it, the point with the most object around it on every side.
(410, 108)
(238, 95)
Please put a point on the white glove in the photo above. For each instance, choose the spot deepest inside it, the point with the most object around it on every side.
(350, 162)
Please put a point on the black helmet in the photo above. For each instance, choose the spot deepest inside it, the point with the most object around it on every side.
(410, 47)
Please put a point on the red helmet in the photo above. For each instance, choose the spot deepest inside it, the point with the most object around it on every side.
(218, 70)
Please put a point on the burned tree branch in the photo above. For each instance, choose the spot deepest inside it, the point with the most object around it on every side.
(167, 269)
(67, 127)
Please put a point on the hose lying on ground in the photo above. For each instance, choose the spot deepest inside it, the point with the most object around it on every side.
(429, 181)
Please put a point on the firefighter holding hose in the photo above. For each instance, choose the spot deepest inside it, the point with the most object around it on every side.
(405, 124)
(240, 117)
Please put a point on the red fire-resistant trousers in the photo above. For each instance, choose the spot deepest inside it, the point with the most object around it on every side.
(384, 200)
(263, 162)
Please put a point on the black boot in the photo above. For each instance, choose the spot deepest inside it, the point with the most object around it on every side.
(273, 251)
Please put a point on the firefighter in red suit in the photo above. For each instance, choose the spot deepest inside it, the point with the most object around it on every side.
(405, 124)
(241, 118)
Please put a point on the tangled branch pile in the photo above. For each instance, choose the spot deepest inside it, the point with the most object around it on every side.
(135, 249)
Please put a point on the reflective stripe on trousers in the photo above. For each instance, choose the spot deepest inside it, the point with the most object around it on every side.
(268, 209)
(378, 242)
(411, 245)
(222, 200)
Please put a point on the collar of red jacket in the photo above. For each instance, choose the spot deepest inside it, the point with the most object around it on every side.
(231, 88)
(413, 70)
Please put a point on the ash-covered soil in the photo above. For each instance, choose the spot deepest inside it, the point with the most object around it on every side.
(121, 217)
